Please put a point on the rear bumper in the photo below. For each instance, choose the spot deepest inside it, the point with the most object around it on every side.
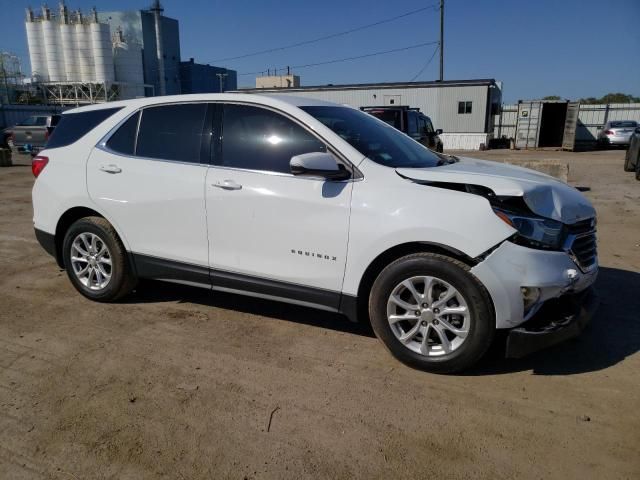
(615, 140)
(558, 320)
(46, 241)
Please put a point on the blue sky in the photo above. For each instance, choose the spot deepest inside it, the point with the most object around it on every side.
(571, 48)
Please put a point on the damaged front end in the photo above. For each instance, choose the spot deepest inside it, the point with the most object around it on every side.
(550, 260)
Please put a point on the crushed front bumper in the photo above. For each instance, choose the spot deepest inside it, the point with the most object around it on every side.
(558, 320)
(511, 267)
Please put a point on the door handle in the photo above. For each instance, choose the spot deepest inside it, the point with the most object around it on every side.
(227, 185)
(110, 168)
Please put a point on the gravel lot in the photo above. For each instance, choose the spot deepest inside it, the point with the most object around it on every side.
(180, 383)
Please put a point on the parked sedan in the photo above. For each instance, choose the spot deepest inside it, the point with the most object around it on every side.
(617, 132)
(632, 158)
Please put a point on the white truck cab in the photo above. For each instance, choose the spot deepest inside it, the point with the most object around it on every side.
(322, 205)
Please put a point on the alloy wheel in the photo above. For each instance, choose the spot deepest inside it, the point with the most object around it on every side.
(91, 261)
(428, 315)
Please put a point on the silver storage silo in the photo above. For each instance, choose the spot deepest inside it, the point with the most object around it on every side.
(69, 52)
(35, 42)
(127, 61)
(51, 35)
(102, 54)
(84, 52)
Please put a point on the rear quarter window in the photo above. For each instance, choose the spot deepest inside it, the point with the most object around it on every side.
(124, 139)
(73, 126)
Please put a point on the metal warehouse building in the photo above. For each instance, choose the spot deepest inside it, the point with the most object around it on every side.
(463, 109)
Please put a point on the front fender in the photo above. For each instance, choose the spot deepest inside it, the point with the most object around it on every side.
(398, 211)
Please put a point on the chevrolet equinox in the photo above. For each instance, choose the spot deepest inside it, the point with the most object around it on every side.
(322, 205)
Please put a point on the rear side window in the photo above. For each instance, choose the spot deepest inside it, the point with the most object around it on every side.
(73, 126)
(172, 132)
(33, 122)
(124, 139)
(259, 139)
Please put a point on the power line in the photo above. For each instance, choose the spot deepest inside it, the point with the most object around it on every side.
(327, 37)
(346, 59)
(426, 64)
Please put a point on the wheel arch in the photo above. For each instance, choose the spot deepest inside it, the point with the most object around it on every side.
(393, 253)
(67, 219)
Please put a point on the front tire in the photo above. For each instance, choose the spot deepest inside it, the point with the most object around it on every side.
(96, 261)
(432, 313)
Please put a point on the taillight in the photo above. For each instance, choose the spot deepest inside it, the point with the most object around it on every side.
(37, 164)
(46, 134)
(608, 132)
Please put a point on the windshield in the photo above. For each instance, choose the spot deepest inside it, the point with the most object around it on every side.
(628, 123)
(377, 141)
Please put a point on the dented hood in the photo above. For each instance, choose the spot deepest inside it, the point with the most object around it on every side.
(544, 195)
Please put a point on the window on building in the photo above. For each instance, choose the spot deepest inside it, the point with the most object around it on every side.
(124, 139)
(172, 132)
(464, 107)
(259, 139)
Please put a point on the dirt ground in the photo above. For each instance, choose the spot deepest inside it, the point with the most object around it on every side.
(180, 383)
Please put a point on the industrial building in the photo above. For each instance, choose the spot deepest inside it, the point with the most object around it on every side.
(463, 109)
(77, 60)
(157, 38)
(199, 78)
(104, 56)
(278, 81)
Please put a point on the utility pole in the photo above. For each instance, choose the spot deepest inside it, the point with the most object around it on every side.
(441, 40)
(221, 77)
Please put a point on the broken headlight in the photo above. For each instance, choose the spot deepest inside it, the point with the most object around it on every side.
(535, 232)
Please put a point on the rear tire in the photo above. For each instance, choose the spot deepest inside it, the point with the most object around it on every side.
(96, 260)
(446, 328)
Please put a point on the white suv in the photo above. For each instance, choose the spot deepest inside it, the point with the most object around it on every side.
(321, 205)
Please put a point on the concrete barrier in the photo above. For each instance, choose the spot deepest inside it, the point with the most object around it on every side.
(555, 168)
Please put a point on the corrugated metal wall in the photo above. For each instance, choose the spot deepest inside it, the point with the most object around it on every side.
(504, 123)
(590, 119)
(439, 103)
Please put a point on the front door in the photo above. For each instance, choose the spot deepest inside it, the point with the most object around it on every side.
(270, 232)
(152, 189)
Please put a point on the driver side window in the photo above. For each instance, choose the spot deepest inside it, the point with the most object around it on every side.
(259, 139)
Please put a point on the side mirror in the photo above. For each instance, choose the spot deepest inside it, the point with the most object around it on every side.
(439, 131)
(318, 164)
(637, 129)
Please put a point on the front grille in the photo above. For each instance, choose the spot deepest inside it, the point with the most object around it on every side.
(582, 244)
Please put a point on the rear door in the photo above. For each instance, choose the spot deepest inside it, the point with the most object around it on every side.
(149, 179)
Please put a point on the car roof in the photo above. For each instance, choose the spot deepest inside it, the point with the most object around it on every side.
(271, 99)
